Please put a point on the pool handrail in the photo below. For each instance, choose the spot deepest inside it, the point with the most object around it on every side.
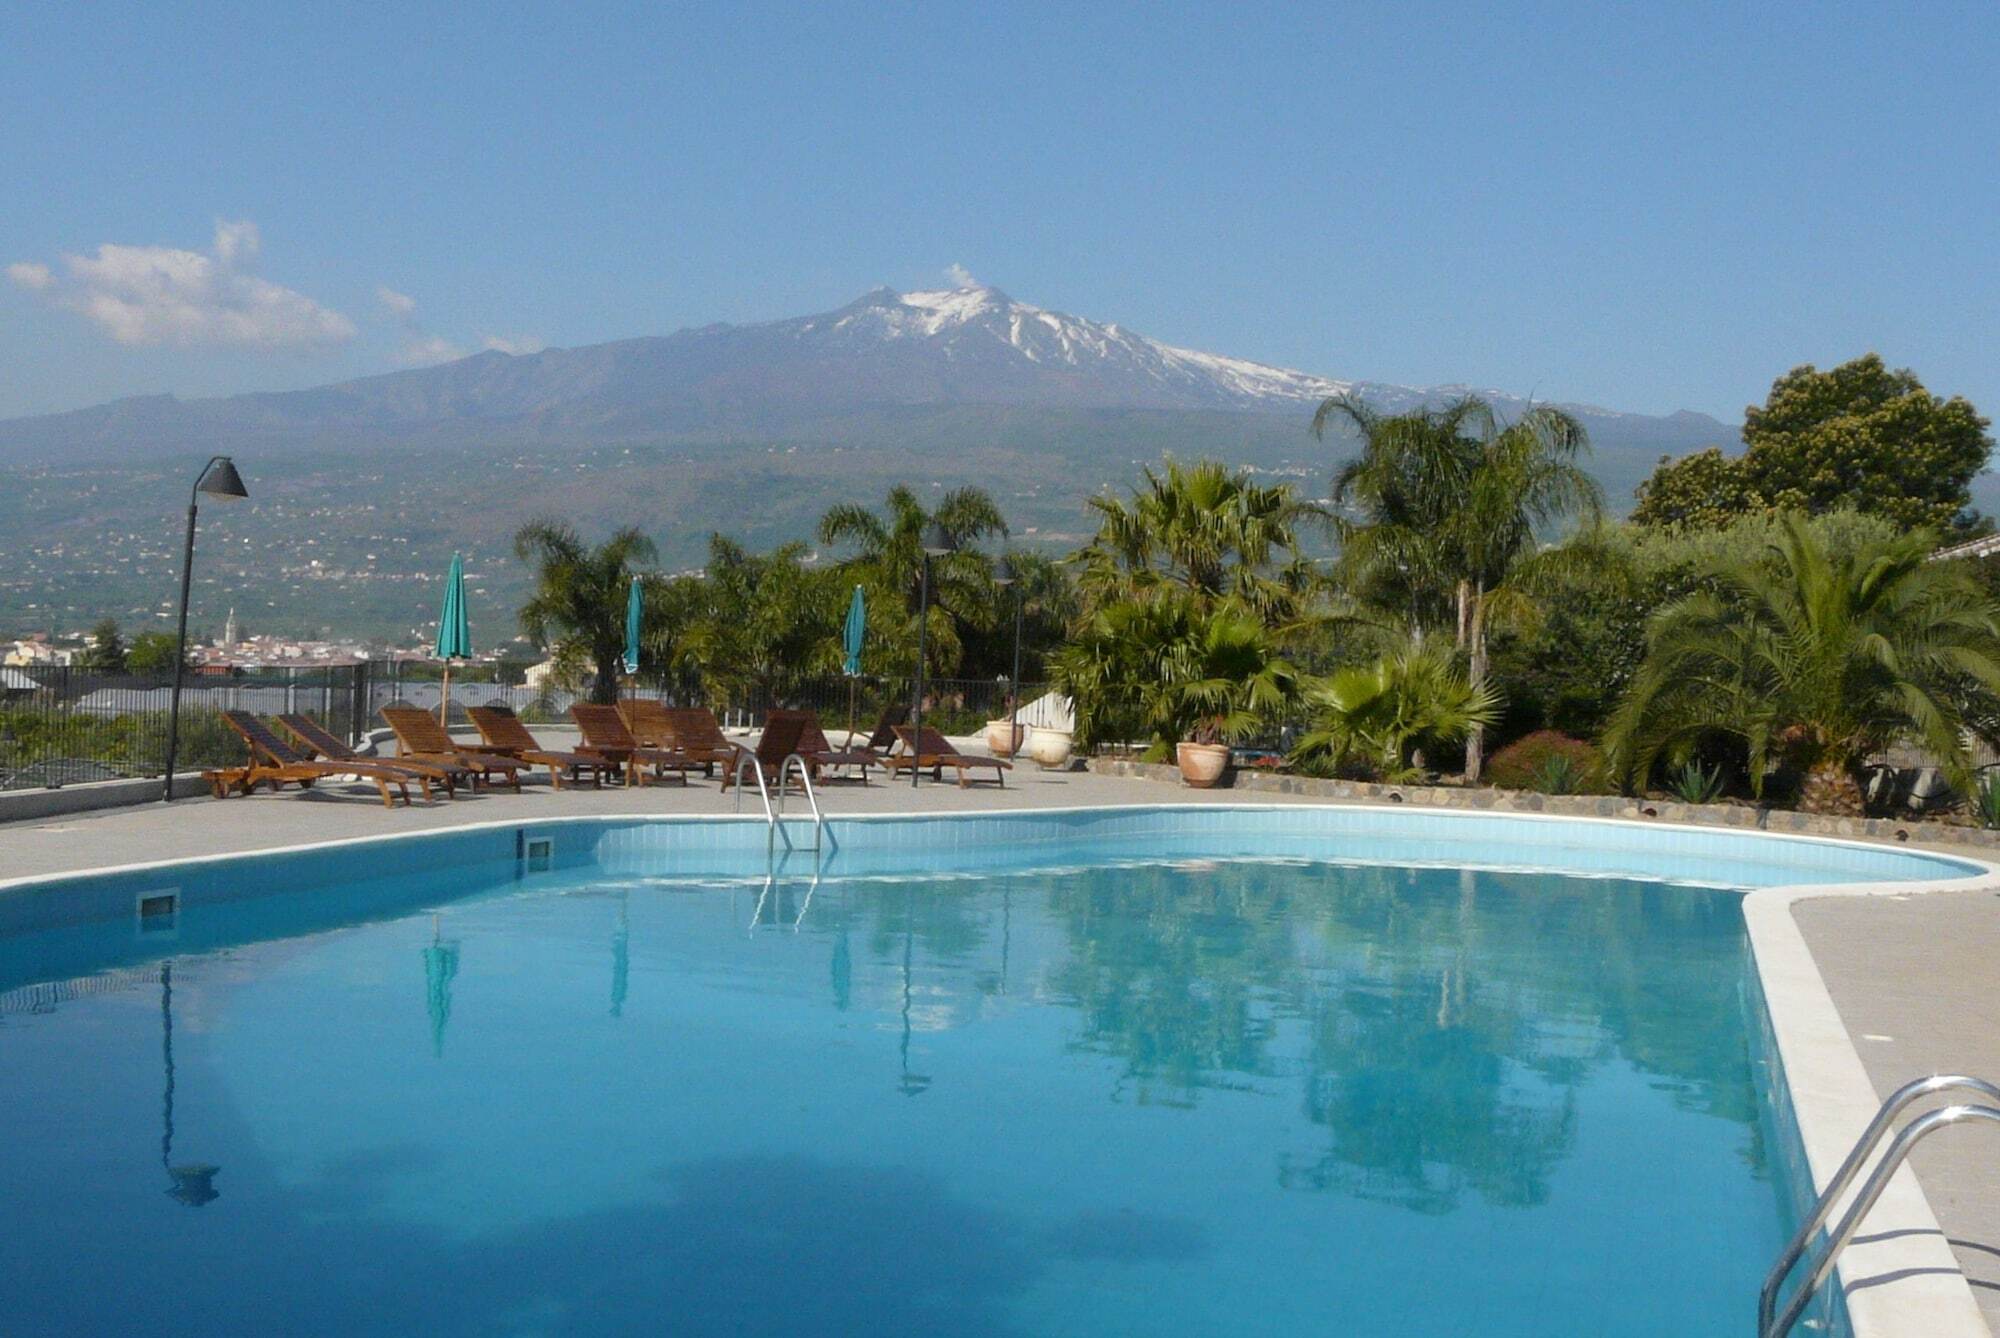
(1871, 1137)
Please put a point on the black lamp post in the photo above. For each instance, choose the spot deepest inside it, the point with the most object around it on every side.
(220, 480)
(1010, 577)
(937, 542)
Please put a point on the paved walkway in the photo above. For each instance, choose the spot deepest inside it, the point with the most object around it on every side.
(191, 827)
(1913, 978)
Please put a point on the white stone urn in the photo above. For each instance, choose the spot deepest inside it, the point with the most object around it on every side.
(1202, 764)
(1050, 747)
(1003, 738)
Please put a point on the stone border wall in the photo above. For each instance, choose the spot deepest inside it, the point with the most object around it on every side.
(1485, 800)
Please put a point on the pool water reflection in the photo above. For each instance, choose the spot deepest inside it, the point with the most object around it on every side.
(1197, 1098)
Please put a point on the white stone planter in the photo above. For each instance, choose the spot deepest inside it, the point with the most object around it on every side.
(1050, 747)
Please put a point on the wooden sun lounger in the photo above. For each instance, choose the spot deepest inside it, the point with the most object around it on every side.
(275, 761)
(605, 736)
(928, 750)
(420, 736)
(502, 732)
(819, 752)
(883, 740)
(779, 741)
(691, 731)
(315, 739)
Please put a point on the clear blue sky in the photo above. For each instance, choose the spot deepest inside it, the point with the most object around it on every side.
(1645, 206)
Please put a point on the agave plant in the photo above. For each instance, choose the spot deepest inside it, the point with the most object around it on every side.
(1381, 716)
(1693, 783)
(1986, 800)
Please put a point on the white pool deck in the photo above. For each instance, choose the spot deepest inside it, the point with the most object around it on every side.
(1868, 985)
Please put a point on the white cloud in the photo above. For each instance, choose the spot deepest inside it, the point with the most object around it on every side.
(960, 276)
(400, 305)
(518, 345)
(147, 295)
(429, 350)
(35, 278)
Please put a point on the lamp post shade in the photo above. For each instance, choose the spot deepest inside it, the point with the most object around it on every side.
(937, 540)
(635, 621)
(220, 480)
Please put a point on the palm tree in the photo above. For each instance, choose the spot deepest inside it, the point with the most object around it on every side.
(1203, 532)
(888, 557)
(760, 624)
(1452, 508)
(1383, 715)
(1817, 661)
(577, 609)
(1174, 669)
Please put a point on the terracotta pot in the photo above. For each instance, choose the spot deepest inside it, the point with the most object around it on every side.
(1003, 739)
(1202, 764)
(1050, 747)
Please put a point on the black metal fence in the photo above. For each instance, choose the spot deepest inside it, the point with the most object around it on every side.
(63, 726)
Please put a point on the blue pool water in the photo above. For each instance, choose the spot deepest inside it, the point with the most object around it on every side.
(636, 1090)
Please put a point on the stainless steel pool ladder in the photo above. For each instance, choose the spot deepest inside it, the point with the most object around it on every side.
(774, 818)
(1871, 1189)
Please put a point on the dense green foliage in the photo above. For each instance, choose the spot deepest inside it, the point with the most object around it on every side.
(1858, 437)
(106, 652)
(1813, 660)
(1381, 718)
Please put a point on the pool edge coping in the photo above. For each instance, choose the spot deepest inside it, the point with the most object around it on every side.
(1832, 1097)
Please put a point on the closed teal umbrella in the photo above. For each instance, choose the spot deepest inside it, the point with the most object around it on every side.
(635, 617)
(454, 638)
(851, 638)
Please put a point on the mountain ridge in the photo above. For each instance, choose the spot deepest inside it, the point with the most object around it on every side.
(967, 346)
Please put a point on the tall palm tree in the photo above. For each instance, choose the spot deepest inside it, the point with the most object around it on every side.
(888, 556)
(1452, 507)
(1204, 532)
(1817, 660)
(761, 624)
(577, 608)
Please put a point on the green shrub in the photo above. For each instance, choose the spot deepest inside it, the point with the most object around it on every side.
(1986, 800)
(1530, 763)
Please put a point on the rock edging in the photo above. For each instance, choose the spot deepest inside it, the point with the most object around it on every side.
(1485, 800)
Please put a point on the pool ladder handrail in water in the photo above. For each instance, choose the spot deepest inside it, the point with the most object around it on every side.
(1871, 1189)
(775, 818)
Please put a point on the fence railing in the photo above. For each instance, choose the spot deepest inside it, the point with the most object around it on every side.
(62, 726)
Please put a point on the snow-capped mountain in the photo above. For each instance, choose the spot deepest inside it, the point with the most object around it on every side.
(885, 364)
(983, 327)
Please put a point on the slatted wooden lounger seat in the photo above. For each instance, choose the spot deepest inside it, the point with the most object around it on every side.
(502, 732)
(819, 752)
(277, 762)
(653, 723)
(928, 750)
(779, 741)
(316, 739)
(605, 736)
(420, 736)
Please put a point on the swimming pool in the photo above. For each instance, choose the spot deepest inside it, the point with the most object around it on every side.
(1123, 1072)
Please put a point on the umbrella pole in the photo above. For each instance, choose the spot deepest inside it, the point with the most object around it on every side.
(851, 686)
(444, 696)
